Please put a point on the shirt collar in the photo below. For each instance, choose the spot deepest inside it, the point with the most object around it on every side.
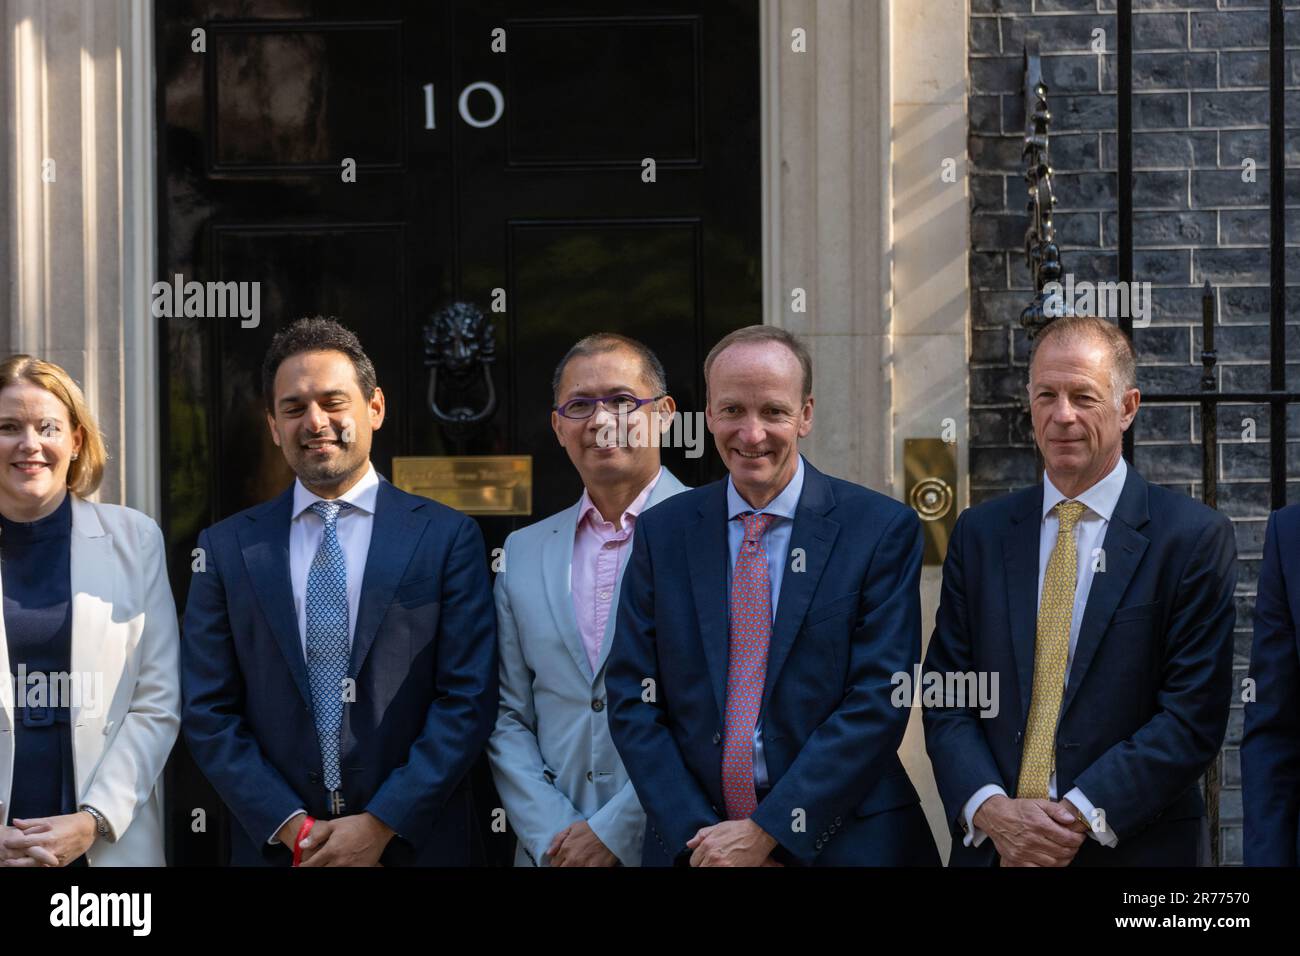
(586, 506)
(1101, 499)
(783, 505)
(361, 496)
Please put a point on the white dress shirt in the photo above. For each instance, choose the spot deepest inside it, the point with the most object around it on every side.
(306, 528)
(1099, 504)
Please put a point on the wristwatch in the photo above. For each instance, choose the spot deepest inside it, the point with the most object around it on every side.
(101, 825)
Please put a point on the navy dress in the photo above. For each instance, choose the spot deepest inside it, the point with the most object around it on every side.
(36, 572)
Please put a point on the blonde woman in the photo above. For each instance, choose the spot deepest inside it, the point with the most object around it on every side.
(89, 686)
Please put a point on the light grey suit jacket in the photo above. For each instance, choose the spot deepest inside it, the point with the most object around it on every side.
(551, 754)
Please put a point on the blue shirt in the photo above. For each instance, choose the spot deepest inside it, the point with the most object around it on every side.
(776, 541)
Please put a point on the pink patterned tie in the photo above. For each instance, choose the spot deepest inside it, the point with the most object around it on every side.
(751, 632)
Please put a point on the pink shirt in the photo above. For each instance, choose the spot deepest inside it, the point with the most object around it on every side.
(599, 552)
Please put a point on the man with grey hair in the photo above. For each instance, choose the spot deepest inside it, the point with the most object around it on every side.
(1105, 606)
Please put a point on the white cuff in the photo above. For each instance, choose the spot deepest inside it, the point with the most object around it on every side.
(974, 835)
(1095, 817)
(275, 837)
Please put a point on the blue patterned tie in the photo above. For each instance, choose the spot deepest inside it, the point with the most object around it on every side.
(327, 637)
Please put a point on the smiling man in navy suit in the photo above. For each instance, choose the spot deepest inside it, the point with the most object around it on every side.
(1105, 606)
(761, 621)
(339, 662)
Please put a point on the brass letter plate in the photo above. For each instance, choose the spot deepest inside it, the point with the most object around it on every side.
(472, 484)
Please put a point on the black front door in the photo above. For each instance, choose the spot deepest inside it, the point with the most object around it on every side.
(377, 161)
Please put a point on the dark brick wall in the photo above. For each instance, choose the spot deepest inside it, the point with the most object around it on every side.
(1200, 78)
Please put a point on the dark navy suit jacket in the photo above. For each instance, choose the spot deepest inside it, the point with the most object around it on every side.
(1146, 702)
(424, 660)
(845, 624)
(1270, 748)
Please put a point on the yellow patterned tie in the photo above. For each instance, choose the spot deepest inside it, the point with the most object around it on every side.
(1051, 651)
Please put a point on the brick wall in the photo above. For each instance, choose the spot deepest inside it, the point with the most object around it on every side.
(1200, 80)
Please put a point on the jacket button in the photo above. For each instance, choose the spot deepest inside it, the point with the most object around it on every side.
(598, 705)
(589, 776)
(818, 845)
(313, 777)
(837, 821)
(717, 737)
(826, 837)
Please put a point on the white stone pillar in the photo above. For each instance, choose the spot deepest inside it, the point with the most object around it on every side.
(930, 253)
(77, 231)
(825, 207)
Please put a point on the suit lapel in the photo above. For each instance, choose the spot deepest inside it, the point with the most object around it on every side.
(708, 563)
(264, 542)
(815, 535)
(665, 487)
(557, 581)
(1020, 565)
(394, 534)
(91, 574)
(1122, 550)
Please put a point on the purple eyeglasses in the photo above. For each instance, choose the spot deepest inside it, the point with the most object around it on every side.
(580, 408)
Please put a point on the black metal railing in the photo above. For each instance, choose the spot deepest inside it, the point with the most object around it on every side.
(1043, 257)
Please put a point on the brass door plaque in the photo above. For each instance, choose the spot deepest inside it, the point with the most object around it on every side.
(930, 488)
(499, 485)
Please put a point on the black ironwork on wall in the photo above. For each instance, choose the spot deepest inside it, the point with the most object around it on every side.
(1042, 254)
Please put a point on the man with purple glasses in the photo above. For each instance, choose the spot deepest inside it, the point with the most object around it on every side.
(566, 794)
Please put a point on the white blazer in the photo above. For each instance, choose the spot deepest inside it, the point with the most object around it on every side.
(124, 632)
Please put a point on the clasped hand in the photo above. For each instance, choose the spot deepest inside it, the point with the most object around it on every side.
(355, 840)
(732, 843)
(46, 841)
(1032, 832)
